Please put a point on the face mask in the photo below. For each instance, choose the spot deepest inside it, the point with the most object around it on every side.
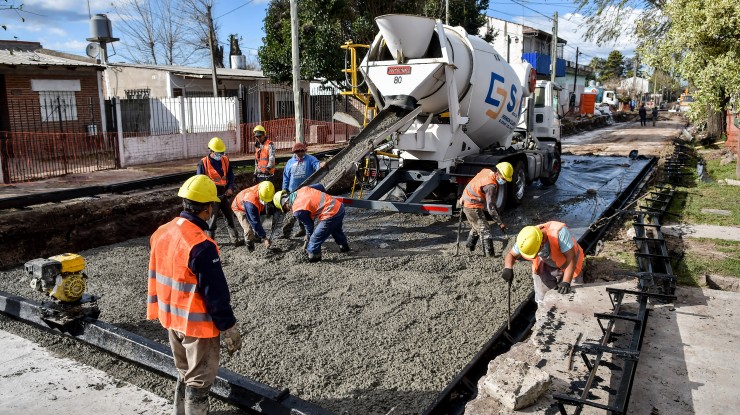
(500, 181)
(544, 251)
(217, 156)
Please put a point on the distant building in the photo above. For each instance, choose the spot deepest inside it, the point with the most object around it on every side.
(634, 85)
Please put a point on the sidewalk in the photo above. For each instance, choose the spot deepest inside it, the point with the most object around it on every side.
(33, 381)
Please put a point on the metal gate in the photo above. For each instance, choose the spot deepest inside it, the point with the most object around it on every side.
(52, 136)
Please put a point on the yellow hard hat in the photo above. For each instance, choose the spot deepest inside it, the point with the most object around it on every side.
(529, 241)
(199, 188)
(277, 199)
(266, 191)
(259, 129)
(506, 170)
(217, 145)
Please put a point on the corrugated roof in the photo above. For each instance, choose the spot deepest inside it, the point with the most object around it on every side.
(39, 58)
(197, 72)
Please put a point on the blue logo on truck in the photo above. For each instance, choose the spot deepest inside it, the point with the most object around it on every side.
(498, 99)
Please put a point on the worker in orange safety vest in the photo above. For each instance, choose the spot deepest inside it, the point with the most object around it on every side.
(556, 257)
(481, 192)
(216, 166)
(248, 205)
(309, 203)
(188, 293)
(264, 156)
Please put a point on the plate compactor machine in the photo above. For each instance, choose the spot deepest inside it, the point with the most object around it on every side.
(62, 277)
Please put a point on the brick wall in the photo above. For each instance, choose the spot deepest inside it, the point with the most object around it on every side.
(24, 108)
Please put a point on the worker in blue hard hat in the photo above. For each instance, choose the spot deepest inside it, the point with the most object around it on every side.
(481, 192)
(216, 166)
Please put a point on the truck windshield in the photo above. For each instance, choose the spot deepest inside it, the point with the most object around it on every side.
(539, 97)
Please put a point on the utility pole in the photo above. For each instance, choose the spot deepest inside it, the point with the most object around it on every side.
(211, 35)
(296, 72)
(575, 78)
(554, 47)
(447, 12)
(634, 78)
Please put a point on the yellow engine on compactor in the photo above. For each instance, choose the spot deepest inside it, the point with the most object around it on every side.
(60, 276)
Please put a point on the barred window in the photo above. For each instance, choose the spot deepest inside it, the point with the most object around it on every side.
(58, 106)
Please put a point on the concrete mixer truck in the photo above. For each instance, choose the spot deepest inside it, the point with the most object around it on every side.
(451, 107)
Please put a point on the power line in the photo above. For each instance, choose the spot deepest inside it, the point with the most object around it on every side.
(234, 9)
(527, 7)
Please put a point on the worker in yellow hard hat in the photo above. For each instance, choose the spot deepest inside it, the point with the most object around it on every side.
(216, 166)
(309, 203)
(188, 293)
(482, 191)
(264, 156)
(248, 205)
(555, 255)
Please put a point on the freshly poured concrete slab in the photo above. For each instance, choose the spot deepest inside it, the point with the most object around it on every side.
(33, 381)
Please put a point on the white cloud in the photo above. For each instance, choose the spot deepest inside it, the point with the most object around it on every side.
(70, 46)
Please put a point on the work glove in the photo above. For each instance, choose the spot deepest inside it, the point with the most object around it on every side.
(267, 242)
(507, 275)
(233, 339)
(563, 287)
(305, 241)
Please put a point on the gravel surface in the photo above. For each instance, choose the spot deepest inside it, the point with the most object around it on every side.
(384, 326)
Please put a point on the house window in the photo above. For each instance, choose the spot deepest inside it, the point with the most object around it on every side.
(57, 98)
(58, 106)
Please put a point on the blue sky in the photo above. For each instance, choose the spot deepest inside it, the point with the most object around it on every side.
(64, 24)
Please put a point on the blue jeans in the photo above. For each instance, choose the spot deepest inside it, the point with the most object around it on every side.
(327, 227)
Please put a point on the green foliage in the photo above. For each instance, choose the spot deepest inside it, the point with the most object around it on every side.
(11, 5)
(701, 46)
(613, 67)
(324, 25)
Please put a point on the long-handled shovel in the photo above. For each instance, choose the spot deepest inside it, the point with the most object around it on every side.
(459, 229)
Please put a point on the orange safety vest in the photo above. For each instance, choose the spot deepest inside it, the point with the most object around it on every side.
(173, 288)
(263, 158)
(473, 196)
(316, 203)
(218, 179)
(550, 231)
(251, 195)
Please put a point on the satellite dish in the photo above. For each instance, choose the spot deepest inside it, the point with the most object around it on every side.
(92, 50)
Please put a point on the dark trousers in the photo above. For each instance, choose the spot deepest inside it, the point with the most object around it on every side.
(327, 227)
(222, 207)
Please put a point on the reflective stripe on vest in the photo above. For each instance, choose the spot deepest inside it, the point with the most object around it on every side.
(472, 196)
(316, 203)
(262, 155)
(550, 231)
(251, 195)
(173, 295)
(213, 174)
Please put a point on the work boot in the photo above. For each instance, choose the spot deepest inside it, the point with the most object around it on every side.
(179, 401)
(196, 400)
(344, 248)
(488, 247)
(472, 242)
(250, 245)
(314, 257)
(234, 238)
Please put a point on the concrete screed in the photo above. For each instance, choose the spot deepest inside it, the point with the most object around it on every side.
(382, 328)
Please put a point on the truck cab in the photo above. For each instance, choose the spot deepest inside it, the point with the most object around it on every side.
(546, 120)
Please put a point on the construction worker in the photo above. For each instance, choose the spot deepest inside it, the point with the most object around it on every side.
(296, 170)
(248, 205)
(556, 257)
(481, 192)
(264, 156)
(308, 203)
(216, 166)
(189, 295)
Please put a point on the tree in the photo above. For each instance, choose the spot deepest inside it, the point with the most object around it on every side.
(10, 5)
(613, 67)
(167, 32)
(325, 24)
(701, 46)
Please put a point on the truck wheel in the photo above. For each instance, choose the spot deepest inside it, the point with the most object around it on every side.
(554, 173)
(517, 184)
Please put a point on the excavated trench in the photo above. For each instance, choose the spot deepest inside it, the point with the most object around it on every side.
(383, 327)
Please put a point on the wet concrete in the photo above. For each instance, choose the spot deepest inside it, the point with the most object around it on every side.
(385, 326)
